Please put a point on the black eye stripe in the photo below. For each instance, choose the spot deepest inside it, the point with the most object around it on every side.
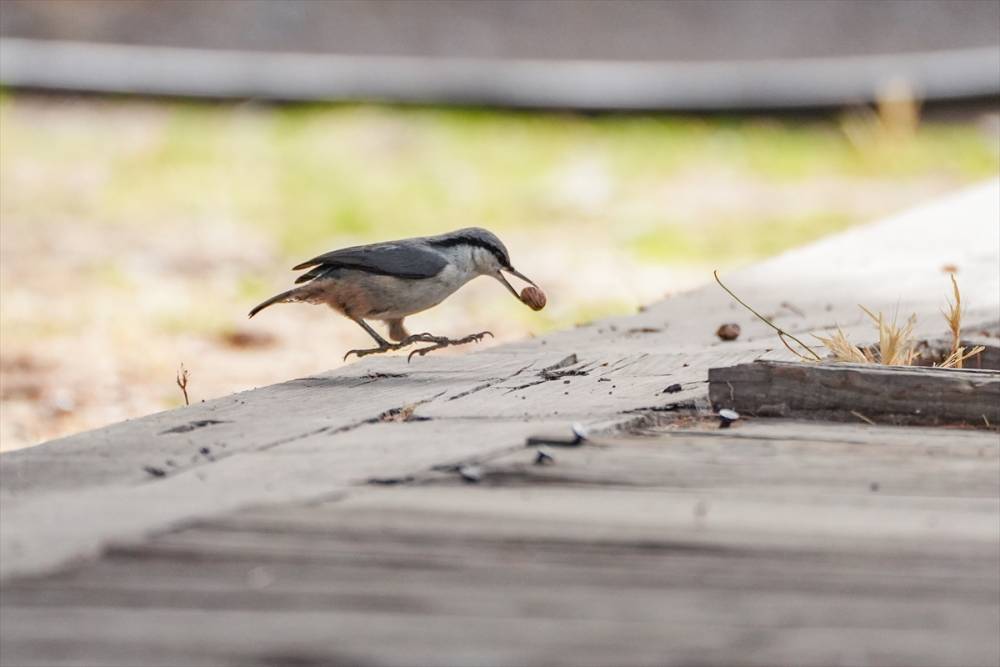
(479, 243)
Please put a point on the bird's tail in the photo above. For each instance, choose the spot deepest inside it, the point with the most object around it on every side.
(290, 295)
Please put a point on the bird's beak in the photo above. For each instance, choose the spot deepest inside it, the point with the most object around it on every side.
(517, 274)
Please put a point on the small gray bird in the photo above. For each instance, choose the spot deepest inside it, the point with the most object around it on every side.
(388, 281)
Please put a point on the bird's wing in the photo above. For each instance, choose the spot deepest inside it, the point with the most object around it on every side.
(409, 260)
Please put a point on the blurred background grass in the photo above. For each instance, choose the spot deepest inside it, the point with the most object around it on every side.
(136, 234)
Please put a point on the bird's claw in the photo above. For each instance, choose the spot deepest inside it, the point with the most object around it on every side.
(365, 353)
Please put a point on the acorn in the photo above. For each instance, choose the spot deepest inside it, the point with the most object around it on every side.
(533, 297)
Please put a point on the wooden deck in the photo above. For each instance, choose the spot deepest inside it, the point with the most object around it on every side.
(391, 514)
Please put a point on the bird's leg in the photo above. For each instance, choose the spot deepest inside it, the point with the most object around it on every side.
(383, 344)
(442, 341)
(386, 346)
(397, 330)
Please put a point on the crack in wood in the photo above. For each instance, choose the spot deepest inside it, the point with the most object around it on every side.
(477, 388)
(670, 407)
(389, 415)
(557, 371)
(655, 417)
(555, 375)
(392, 414)
(618, 365)
(191, 426)
(490, 383)
(390, 481)
(373, 375)
(525, 386)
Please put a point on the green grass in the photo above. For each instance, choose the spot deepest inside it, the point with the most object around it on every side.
(732, 241)
(310, 174)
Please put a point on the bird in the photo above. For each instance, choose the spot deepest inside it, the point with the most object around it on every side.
(391, 280)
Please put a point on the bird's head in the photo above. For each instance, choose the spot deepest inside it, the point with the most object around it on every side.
(486, 253)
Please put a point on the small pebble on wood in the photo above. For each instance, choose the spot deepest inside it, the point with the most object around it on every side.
(471, 474)
(542, 458)
(727, 417)
(729, 331)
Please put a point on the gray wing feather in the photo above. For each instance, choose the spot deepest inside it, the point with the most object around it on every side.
(389, 259)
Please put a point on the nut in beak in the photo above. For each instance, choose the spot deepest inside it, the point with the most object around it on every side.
(533, 297)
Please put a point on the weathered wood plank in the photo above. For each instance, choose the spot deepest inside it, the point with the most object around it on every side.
(166, 638)
(722, 537)
(200, 435)
(838, 462)
(154, 576)
(41, 530)
(890, 394)
(444, 575)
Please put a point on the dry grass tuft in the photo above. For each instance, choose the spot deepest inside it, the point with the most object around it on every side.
(954, 315)
(896, 346)
(956, 358)
(843, 349)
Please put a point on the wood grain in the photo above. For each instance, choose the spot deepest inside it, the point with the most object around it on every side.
(852, 392)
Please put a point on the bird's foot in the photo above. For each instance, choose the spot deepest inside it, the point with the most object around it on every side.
(442, 342)
(438, 343)
(393, 347)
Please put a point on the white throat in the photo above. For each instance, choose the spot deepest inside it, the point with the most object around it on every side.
(469, 260)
